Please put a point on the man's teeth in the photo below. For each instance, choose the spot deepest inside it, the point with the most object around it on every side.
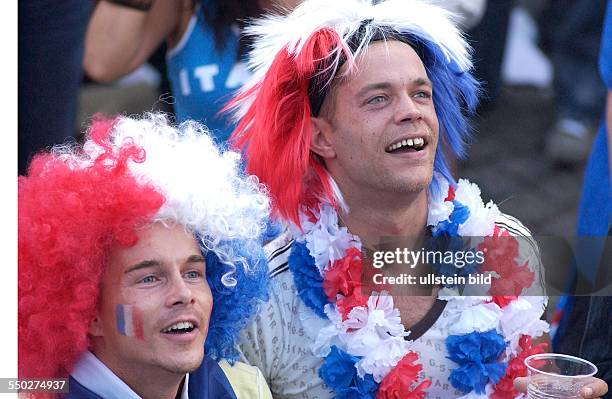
(416, 143)
(183, 325)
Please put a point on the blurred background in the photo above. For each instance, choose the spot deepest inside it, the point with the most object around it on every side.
(537, 60)
(543, 96)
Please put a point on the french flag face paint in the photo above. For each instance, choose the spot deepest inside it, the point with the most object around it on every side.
(129, 321)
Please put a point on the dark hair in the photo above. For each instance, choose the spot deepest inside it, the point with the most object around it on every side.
(317, 86)
(219, 15)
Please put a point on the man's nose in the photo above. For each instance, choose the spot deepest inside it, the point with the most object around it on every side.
(407, 109)
(180, 292)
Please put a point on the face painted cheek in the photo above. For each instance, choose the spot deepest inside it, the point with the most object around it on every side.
(129, 321)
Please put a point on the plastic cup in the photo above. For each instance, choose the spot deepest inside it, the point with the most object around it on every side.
(557, 376)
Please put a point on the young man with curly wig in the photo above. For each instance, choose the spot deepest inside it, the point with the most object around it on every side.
(139, 262)
(353, 112)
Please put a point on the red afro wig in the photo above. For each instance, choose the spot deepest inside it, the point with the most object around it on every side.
(72, 209)
(280, 114)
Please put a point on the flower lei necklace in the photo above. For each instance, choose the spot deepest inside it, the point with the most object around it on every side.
(363, 341)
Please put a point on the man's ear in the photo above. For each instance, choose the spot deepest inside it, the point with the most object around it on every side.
(95, 327)
(320, 138)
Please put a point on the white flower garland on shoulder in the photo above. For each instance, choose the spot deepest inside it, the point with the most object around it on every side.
(364, 335)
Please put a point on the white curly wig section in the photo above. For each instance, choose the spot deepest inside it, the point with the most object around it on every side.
(273, 32)
(204, 188)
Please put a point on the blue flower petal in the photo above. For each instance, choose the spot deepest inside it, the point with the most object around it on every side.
(468, 377)
(366, 385)
(339, 374)
(460, 213)
(477, 354)
(450, 227)
(307, 278)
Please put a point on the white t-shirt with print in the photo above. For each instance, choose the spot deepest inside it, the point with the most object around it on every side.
(279, 339)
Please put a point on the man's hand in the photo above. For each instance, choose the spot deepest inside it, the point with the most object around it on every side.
(595, 389)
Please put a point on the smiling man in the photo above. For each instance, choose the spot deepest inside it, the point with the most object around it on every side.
(120, 263)
(387, 115)
(350, 119)
(157, 289)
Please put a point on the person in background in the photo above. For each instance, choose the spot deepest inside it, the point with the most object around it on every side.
(350, 119)
(488, 39)
(571, 33)
(50, 66)
(205, 48)
(586, 327)
(135, 283)
(469, 13)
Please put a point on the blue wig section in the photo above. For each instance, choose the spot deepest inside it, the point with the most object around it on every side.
(234, 306)
(455, 96)
(273, 230)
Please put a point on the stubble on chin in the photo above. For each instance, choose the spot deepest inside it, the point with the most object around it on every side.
(401, 185)
(414, 187)
(183, 367)
(182, 363)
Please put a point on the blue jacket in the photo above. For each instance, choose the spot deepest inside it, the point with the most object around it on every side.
(207, 382)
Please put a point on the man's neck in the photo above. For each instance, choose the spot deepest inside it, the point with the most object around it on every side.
(148, 382)
(405, 215)
(154, 385)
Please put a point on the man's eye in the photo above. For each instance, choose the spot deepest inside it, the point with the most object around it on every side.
(193, 274)
(423, 94)
(376, 100)
(149, 279)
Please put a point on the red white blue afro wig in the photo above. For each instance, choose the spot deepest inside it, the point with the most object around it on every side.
(77, 202)
(295, 59)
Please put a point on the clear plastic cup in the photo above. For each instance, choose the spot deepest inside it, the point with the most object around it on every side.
(557, 376)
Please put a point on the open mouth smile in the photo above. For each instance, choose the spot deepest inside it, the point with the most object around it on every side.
(407, 145)
(181, 327)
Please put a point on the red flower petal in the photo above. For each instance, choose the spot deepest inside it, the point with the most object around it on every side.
(397, 384)
(503, 300)
(451, 194)
(343, 275)
(504, 389)
(359, 297)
